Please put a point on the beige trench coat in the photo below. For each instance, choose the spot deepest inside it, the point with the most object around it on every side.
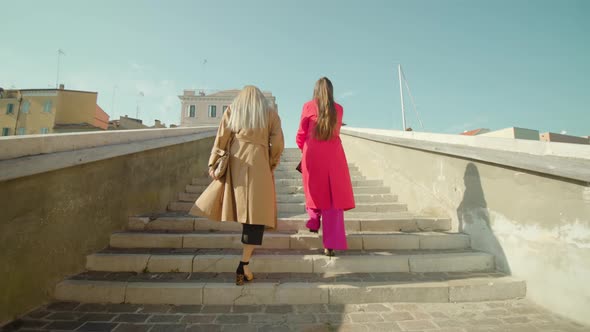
(249, 193)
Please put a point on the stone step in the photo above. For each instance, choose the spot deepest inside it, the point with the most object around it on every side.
(202, 183)
(303, 240)
(286, 167)
(279, 171)
(285, 171)
(292, 159)
(291, 177)
(289, 261)
(219, 289)
(355, 183)
(356, 189)
(359, 187)
(360, 207)
(359, 198)
(291, 152)
(354, 222)
(297, 175)
(179, 206)
(293, 164)
(197, 189)
(300, 198)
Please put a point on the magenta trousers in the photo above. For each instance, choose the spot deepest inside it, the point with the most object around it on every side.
(332, 222)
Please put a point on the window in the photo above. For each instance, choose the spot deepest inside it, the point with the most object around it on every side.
(191, 112)
(5, 131)
(44, 130)
(20, 131)
(10, 109)
(47, 107)
(26, 106)
(212, 111)
(224, 108)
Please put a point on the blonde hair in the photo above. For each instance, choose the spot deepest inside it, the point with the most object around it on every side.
(249, 110)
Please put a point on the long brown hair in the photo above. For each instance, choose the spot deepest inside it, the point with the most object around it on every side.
(323, 94)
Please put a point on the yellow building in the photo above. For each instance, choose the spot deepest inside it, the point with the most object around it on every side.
(44, 111)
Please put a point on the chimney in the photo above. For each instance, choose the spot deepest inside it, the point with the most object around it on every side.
(61, 86)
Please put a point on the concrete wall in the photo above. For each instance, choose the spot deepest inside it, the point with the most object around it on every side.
(514, 132)
(536, 224)
(50, 220)
(554, 137)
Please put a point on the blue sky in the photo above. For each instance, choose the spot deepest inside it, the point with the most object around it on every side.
(469, 63)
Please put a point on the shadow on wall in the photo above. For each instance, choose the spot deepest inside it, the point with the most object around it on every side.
(474, 219)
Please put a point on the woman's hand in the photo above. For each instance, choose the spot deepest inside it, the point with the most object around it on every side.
(212, 173)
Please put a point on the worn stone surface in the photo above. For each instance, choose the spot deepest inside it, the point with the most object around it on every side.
(100, 291)
(145, 240)
(292, 288)
(512, 315)
(414, 267)
(289, 288)
(75, 211)
(286, 239)
(170, 263)
(177, 293)
(490, 187)
(119, 262)
(354, 222)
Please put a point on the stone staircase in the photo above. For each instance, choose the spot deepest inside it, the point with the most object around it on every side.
(394, 256)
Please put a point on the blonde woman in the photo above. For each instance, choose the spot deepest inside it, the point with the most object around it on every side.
(253, 130)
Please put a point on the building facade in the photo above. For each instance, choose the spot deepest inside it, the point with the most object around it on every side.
(201, 109)
(554, 137)
(514, 132)
(475, 132)
(158, 124)
(126, 123)
(44, 111)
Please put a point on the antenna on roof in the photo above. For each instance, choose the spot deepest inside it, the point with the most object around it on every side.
(203, 90)
(60, 52)
(401, 94)
(140, 94)
(402, 77)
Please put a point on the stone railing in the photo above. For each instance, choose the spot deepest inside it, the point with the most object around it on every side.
(526, 202)
(62, 195)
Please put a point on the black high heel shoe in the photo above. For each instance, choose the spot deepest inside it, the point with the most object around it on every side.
(313, 230)
(240, 276)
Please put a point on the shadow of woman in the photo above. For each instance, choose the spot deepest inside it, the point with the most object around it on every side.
(474, 219)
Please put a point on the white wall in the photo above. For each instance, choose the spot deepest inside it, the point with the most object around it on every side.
(535, 220)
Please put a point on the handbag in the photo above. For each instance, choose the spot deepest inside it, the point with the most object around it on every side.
(220, 166)
(217, 202)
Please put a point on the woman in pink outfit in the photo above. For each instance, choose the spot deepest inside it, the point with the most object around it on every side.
(326, 179)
